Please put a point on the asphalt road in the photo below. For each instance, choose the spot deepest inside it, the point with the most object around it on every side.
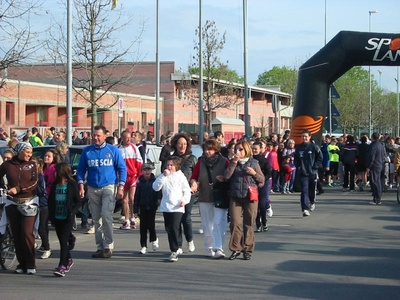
(346, 249)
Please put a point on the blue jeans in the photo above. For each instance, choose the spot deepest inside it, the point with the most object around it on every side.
(308, 185)
(101, 205)
(186, 223)
(263, 204)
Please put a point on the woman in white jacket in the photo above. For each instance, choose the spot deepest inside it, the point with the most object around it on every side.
(175, 195)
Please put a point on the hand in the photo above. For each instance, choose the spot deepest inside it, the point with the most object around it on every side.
(194, 187)
(182, 204)
(220, 178)
(166, 172)
(82, 191)
(12, 191)
(120, 194)
(250, 171)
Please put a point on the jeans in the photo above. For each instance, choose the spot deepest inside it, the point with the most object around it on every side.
(308, 185)
(44, 227)
(214, 222)
(186, 223)
(101, 205)
(349, 171)
(377, 181)
(263, 204)
(172, 221)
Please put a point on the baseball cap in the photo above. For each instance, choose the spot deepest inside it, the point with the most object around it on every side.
(147, 166)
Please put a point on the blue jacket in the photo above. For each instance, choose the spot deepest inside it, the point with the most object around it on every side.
(41, 191)
(308, 159)
(104, 166)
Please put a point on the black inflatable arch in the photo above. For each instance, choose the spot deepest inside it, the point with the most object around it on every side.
(346, 50)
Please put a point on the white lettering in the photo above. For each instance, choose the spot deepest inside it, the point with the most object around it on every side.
(372, 43)
(100, 162)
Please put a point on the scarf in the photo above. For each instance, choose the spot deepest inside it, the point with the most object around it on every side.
(210, 161)
(242, 161)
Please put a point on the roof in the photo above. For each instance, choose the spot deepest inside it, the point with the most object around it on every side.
(227, 121)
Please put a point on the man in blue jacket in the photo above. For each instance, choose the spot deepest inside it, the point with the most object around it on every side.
(105, 169)
(307, 159)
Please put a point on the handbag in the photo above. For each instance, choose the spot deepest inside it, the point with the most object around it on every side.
(219, 192)
(252, 191)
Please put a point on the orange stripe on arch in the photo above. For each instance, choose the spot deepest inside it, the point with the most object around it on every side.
(395, 44)
(305, 122)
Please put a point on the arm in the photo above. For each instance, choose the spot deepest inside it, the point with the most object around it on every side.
(259, 176)
(318, 158)
(187, 193)
(397, 160)
(230, 169)
(159, 182)
(77, 200)
(136, 199)
(38, 141)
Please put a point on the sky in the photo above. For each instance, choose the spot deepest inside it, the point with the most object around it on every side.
(280, 32)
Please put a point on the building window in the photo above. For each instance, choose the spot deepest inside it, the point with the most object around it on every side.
(144, 119)
(75, 116)
(9, 112)
(42, 118)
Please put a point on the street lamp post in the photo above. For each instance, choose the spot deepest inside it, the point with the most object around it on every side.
(398, 102)
(370, 79)
(380, 78)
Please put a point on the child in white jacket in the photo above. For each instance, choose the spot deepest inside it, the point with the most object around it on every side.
(175, 195)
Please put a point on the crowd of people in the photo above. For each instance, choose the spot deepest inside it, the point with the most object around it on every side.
(113, 168)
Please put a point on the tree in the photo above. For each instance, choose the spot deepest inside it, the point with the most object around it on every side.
(285, 77)
(18, 42)
(218, 78)
(96, 52)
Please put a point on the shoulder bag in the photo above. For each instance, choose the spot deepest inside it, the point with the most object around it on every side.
(252, 191)
(220, 192)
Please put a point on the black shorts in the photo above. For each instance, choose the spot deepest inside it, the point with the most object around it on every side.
(334, 168)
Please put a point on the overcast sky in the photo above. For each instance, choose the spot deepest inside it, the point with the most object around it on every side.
(280, 32)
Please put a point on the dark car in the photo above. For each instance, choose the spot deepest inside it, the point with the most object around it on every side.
(74, 153)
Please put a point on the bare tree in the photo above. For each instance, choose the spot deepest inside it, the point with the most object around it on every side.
(18, 42)
(219, 88)
(97, 53)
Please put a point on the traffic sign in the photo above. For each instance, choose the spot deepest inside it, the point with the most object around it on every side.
(334, 110)
(334, 124)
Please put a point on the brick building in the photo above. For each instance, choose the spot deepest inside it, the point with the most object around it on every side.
(36, 96)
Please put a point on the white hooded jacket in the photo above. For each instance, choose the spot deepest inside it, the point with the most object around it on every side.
(175, 189)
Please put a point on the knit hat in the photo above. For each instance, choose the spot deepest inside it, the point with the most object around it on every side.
(20, 147)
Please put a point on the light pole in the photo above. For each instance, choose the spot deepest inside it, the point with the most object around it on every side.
(370, 79)
(398, 102)
(380, 78)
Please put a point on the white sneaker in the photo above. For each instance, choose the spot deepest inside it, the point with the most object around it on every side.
(155, 245)
(270, 212)
(306, 213)
(201, 231)
(312, 207)
(143, 250)
(46, 254)
(121, 219)
(179, 251)
(210, 253)
(90, 230)
(173, 256)
(31, 271)
(219, 254)
(126, 225)
(191, 246)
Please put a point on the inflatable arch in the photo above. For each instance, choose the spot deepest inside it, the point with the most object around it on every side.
(346, 50)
